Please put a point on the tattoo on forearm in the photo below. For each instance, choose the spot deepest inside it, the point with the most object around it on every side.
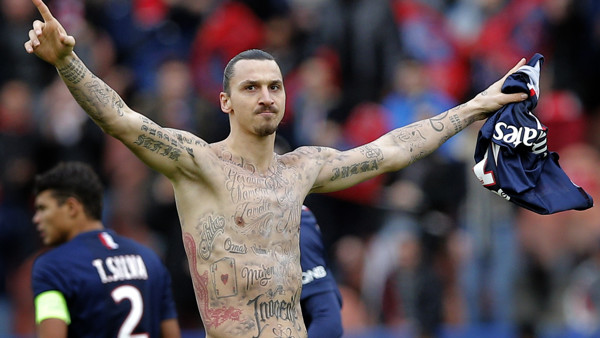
(456, 122)
(413, 138)
(74, 72)
(100, 91)
(86, 104)
(436, 122)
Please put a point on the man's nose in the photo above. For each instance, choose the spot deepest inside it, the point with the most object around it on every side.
(265, 97)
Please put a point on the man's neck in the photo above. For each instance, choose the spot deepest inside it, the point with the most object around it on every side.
(256, 151)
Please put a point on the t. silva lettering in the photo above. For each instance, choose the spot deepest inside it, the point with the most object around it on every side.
(119, 268)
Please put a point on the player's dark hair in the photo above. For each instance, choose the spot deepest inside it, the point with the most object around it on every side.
(251, 54)
(73, 179)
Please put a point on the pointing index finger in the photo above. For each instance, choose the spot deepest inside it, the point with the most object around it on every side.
(43, 9)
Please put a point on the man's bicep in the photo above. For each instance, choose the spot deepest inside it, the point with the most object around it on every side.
(162, 149)
(51, 314)
(343, 169)
(52, 328)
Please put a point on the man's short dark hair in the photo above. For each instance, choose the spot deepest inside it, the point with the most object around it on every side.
(251, 54)
(73, 179)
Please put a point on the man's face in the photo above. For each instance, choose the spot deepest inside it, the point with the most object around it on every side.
(257, 100)
(52, 219)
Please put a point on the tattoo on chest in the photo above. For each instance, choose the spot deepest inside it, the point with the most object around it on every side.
(209, 228)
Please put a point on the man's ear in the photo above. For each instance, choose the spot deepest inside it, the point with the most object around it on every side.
(74, 206)
(225, 102)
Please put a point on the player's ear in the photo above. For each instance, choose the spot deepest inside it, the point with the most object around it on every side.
(74, 206)
(225, 100)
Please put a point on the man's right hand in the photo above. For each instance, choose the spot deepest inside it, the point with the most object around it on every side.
(48, 39)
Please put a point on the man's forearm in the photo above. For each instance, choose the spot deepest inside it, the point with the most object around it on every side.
(98, 100)
(419, 139)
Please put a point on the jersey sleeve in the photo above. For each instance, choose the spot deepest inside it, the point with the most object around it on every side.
(46, 277)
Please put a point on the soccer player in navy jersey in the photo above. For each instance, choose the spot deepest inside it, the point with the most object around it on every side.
(320, 300)
(93, 282)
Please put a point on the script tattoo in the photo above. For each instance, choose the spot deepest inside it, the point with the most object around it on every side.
(210, 228)
(211, 317)
(266, 307)
(373, 155)
(232, 247)
(260, 276)
(158, 147)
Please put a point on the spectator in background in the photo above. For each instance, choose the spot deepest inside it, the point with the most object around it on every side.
(93, 282)
(414, 290)
(15, 18)
(365, 38)
(20, 151)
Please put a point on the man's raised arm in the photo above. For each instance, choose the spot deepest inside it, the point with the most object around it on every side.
(158, 147)
(406, 145)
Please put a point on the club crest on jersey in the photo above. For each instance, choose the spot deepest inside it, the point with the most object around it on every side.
(107, 240)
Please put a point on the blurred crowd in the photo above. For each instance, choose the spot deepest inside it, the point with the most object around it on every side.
(421, 251)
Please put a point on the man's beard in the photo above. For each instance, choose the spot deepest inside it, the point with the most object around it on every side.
(265, 130)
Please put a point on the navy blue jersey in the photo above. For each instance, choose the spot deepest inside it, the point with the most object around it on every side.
(512, 158)
(316, 276)
(111, 285)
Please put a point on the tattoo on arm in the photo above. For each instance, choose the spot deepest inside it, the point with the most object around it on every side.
(436, 122)
(74, 72)
(158, 147)
(373, 155)
(456, 122)
(94, 95)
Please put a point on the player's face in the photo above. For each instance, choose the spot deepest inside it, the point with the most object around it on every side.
(257, 100)
(51, 219)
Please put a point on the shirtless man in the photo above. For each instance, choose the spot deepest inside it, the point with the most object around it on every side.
(239, 203)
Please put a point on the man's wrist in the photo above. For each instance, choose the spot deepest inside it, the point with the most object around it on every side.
(65, 61)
